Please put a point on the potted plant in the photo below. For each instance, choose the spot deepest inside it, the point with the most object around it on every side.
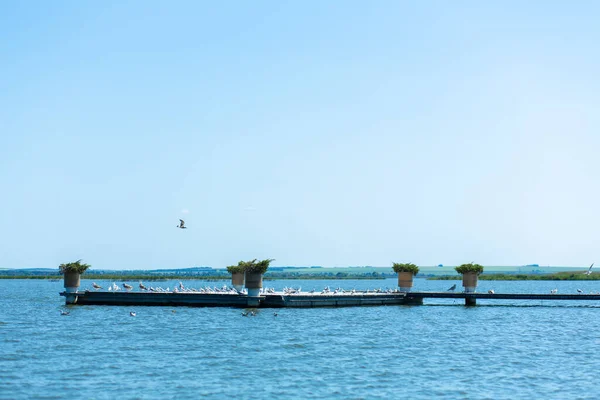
(254, 274)
(237, 275)
(470, 273)
(406, 272)
(72, 272)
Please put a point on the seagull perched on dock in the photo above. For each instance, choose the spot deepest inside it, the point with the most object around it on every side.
(452, 288)
(579, 291)
(96, 286)
(491, 291)
(142, 286)
(589, 271)
(126, 286)
(181, 224)
(554, 291)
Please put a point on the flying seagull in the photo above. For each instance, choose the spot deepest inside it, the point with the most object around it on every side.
(96, 286)
(589, 271)
(181, 224)
(452, 288)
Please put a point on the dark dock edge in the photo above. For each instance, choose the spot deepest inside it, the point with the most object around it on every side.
(279, 300)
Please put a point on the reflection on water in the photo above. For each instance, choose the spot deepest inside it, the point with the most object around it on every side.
(499, 349)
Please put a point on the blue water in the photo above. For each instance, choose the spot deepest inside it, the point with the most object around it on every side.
(497, 350)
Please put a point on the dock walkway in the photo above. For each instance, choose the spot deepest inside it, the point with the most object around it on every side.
(304, 300)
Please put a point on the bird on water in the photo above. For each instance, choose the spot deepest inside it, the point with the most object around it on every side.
(96, 286)
(491, 291)
(554, 291)
(132, 313)
(181, 224)
(63, 312)
(451, 289)
(579, 291)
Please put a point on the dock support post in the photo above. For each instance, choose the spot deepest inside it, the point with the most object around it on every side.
(413, 301)
(470, 301)
(71, 281)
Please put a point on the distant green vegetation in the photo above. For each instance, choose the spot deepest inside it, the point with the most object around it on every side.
(559, 276)
(142, 277)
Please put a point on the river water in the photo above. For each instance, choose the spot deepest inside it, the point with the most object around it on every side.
(496, 350)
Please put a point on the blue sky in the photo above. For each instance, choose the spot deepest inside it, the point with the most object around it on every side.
(315, 133)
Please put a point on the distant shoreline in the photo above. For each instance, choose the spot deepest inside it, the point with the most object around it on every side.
(187, 277)
(559, 276)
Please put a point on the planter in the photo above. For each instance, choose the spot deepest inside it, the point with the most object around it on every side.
(405, 281)
(237, 280)
(253, 283)
(72, 281)
(470, 281)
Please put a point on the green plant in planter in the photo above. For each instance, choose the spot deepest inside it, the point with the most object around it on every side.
(76, 266)
(256, 266)
(469, 268)
(236, 269)
(406, 267)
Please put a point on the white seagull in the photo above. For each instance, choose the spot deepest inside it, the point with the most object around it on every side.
(133, 314)
(589, 271)
(491, 291)
(579, 291)
(181, 224)
(96, 286)
(554, 291)
(63, 312)
(452, 288)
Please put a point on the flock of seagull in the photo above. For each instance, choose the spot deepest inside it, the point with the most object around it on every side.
(287, 291)
(180, 288)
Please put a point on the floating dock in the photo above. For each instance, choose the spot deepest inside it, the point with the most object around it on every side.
(303, 300)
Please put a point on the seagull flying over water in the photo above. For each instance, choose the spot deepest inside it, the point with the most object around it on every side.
(452, 288)
(589, 271)
(181, 224)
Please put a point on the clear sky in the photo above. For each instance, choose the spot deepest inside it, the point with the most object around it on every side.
(326, 133)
